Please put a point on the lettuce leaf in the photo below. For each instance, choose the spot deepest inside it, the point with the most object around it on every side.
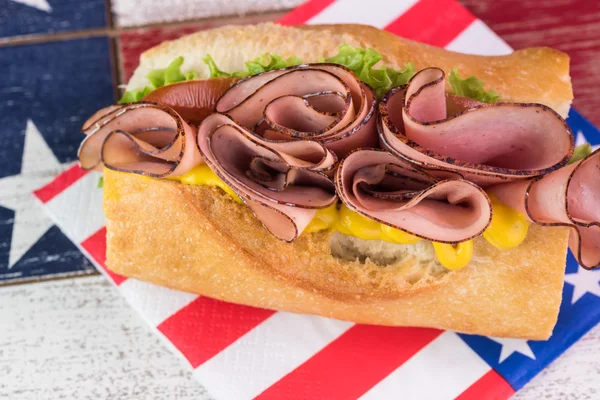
(362, 61)
(580, 152)
(172, 74)
(359, 60)
(214, 71)
(264, 63)
(159, 78)
(269, 62)
(471, 87)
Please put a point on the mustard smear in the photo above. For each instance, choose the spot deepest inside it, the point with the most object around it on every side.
(508, 228)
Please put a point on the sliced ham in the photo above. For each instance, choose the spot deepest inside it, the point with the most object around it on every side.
(326, 103)
(282, 190)
(485, 143)
(144, 138)
(570, 197)
(390, 190)
(193, 100)
(277, 135)
(277, 138)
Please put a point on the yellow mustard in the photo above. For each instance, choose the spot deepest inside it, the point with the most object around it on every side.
(324, 219)
(507, 229)
(203, 175)
(454, 257)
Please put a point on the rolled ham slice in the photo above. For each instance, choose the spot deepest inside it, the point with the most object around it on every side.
(390, 190)
(485, 143)
(283, 191)
(144, 138)
(193, 100)
(326, 103)
(567, 197)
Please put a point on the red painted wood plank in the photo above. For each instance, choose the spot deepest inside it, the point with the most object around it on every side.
(572, 26)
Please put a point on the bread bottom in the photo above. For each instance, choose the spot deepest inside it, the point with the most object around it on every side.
(196, 239)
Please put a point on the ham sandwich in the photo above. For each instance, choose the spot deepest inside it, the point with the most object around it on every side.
(291, 143)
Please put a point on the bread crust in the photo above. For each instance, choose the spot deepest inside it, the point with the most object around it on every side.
(539, 75)
(196, 239)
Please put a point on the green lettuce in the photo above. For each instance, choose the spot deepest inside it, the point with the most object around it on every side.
(100, 182)
(359, 60)
(159, 78)
(471, 87)
(264, 63)
(362, 61)
(269, 62)
(172, 74)
(581, 152)
(214, 71)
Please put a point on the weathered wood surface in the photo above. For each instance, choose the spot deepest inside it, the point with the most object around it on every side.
(79, 339)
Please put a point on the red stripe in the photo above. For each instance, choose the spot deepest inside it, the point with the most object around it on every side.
(491, 386)
(60, 183)
(205, 327)
(435, 22)
(95, 245)
(352, 364)
(305, 12)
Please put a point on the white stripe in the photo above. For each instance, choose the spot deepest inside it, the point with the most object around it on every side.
(378, 14)
(479, 39)
(266, 354)
(154, 303)
(78, 209)
(441, 370)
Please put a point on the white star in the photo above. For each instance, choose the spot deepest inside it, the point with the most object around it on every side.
(41, 5)
(39, 167)
(583, 282)
(580, 139)
(510, 346)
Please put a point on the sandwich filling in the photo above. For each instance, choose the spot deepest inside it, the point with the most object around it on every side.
(310, 147)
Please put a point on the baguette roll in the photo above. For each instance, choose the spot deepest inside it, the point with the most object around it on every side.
(198, 239)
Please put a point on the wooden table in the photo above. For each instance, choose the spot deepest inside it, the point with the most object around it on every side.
(76, 338)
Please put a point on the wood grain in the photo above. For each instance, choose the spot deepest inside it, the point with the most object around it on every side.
(572, 26)
(79, 339)
(129, 13)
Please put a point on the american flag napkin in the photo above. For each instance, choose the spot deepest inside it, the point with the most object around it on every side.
(240, 352)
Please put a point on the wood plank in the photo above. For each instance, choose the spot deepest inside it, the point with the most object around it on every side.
(79, 339)
(130, 13)
(572, 26)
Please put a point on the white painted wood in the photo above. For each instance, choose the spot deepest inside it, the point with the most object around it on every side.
(79, 338)
(129, 12)
(574, 375)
